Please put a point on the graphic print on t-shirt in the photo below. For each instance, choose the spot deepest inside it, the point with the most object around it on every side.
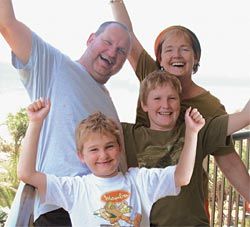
(116, 209)
(161, 156)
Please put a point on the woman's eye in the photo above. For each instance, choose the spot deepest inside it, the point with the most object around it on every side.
(186, 49)
(168, 50)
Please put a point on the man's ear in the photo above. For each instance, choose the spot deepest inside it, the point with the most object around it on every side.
(144, 107)
(91, 38)
(80, 156)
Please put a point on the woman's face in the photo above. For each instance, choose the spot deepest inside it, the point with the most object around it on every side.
(177, 56)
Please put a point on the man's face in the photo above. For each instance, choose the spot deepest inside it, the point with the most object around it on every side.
(107, 52)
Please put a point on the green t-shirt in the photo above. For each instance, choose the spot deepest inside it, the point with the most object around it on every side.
(207, 104)
(160, 149)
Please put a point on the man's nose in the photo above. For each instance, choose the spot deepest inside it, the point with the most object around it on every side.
(112, 51)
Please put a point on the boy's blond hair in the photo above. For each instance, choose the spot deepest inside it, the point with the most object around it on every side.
(96, 123)
(158, 78)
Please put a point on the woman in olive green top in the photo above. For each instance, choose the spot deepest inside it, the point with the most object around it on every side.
(160, 145)
(178, 51)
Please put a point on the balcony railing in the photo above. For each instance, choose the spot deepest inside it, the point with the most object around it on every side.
(227, 207)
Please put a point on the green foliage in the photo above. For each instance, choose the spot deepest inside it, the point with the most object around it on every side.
(5, 146)
(3, 216)
(17, 125)
(8, 180)
(7, 194)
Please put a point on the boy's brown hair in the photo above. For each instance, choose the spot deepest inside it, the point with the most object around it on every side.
(158, 78)
(96, 123)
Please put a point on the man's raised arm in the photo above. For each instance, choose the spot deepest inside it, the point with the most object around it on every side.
(16, 34)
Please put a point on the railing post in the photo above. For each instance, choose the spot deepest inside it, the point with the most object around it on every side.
(229, 207)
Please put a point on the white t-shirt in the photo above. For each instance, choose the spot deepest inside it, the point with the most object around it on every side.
(124, 199)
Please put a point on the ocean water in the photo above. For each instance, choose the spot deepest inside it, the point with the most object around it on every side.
(12, 93)
(13, 96)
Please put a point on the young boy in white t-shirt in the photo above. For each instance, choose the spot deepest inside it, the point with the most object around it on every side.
(106, 197)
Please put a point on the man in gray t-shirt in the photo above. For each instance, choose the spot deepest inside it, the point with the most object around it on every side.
(75, 87)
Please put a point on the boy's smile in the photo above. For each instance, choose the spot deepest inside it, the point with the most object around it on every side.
(101, 153)
(163, 107)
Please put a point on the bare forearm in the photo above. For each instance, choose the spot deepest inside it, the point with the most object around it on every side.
(237, 121)
(120, 13)
(16, 34)
(6, 14)
(27, 159)
(184, 169)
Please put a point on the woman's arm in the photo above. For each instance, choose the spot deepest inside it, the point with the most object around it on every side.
(230, 164)
(239, 120)
(121, 15)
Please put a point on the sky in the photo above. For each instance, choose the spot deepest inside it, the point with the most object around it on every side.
(222, 27)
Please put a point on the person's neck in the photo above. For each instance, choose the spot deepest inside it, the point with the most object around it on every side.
(190, 89)
(106, 177)
(82, 62)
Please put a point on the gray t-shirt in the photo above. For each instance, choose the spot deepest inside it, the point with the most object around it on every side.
(74, 95)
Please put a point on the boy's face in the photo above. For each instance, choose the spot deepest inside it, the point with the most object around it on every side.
(101, 153)
(163, 107)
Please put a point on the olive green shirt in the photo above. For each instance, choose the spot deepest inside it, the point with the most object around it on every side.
(209, 106)
(162, 148)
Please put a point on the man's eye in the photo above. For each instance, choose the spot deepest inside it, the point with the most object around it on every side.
(107, 42)
(121, 51)
(93, 149)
